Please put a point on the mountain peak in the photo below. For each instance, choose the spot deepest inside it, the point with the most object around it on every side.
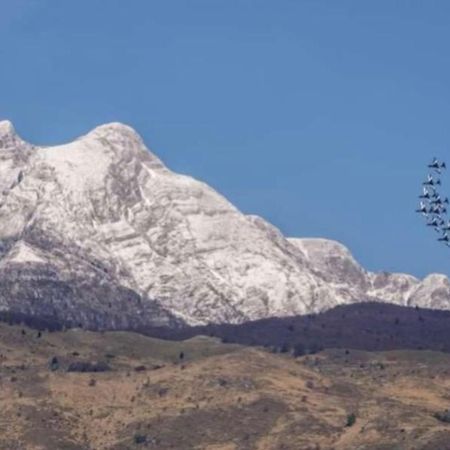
(124, 141)
(7, 133)
(9, 139)
(99, 231)
(118, 135)
(6, 128)
(116, 129)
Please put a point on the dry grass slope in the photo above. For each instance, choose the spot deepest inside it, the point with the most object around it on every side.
(216, 397)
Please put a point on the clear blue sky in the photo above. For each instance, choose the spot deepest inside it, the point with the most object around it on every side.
(318, 115)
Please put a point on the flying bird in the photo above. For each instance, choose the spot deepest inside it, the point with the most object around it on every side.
(432, 206)
(437, 209)
(435, 193)
(426, 194)
(422, 208)
(431, 181)
(444, 238)
(435, 222)
(436, 165)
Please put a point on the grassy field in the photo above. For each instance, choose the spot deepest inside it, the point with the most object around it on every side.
(202, 394)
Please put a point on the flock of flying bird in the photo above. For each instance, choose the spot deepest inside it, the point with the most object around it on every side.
(432, 206)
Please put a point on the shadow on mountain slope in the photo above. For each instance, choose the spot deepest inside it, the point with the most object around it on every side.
(365, 326)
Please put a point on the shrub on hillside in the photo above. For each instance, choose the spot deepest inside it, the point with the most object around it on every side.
(84, 366)
(53, 364)
(299, 350)
(140, 439)
(443, 416)
(284, 348)
(351, 419)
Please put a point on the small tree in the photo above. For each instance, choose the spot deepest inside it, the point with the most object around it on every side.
(284, 348)
(54, 364)
(443, 416)
(351, 419)
(299, 350)
(140, 439)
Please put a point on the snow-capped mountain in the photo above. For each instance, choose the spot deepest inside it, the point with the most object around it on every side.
(100, 232)
(333, 262)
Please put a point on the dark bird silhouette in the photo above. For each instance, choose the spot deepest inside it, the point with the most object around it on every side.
(437, 166)
(436, 200)
(425, 194)
(437, 209)
(431, 181)
(434, 222)
(432, 205)
(444, 238)
(422, 208)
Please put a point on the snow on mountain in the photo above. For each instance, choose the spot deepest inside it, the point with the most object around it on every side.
(333, 262)
(99, 232)
(396, 288)
(336, 265)
(435, 288)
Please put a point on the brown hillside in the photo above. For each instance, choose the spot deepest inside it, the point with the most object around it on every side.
(201, 394)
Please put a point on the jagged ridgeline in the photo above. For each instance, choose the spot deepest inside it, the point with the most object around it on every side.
(99, 233)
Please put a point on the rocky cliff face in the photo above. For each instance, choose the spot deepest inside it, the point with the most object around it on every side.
(335, 264)
(100, 232)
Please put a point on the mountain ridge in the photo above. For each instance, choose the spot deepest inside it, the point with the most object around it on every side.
(101, 226)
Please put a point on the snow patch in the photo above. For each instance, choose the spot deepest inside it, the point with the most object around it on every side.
(80, 165)
(23, 253)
